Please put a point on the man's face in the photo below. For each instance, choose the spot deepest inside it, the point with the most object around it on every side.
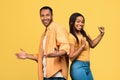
(46, 17)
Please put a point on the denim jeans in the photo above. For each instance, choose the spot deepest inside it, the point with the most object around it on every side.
(80, 70)
(55, 78)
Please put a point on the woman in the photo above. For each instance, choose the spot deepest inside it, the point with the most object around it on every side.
(80, 44)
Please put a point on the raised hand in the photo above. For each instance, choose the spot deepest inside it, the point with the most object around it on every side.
(101, 29)
(22, 54)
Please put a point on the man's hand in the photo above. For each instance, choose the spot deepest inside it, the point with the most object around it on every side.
(22, 54)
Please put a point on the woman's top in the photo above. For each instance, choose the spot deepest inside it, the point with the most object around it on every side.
(85, 54)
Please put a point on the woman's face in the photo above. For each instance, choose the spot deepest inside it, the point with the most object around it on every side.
(79, 23)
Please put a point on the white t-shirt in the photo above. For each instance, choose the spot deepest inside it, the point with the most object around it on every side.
(58, 74)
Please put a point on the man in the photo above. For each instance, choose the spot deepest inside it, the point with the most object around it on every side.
(54, 48)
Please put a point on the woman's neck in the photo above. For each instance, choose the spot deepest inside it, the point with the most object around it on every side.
(78, 33)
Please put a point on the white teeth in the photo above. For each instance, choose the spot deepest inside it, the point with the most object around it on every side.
(80, 26)
(45, 21)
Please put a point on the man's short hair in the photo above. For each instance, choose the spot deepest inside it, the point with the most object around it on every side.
(47, 7)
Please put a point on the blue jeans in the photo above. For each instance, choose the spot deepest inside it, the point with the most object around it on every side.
(80, 70)
(55, 78)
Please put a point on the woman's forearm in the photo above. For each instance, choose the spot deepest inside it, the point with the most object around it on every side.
(75, 54)
(96, 40)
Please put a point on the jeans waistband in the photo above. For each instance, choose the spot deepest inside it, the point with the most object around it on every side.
(80, 63)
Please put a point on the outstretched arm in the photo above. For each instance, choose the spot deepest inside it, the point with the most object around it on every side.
(93, 43)
(24, 55)
(56, 53)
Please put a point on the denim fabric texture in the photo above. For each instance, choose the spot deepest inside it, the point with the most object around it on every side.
(80, 70)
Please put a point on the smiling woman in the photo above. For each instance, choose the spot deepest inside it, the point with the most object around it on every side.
(80, 45)
(79, 23)
(20, 26)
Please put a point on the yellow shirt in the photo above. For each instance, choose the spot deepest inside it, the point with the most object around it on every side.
(85, 54)
(56, 37)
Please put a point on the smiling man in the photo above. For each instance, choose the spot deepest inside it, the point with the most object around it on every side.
(53, 51)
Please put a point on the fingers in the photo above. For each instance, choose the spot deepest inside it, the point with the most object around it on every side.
(18, 56)
(45, 55)
(21, 56)
(83, 41)
(22, 50)
(56, 49)
(101, 27)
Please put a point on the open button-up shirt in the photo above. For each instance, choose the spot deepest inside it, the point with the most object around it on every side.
(56, 37)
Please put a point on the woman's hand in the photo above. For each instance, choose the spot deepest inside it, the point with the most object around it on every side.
(101, 29)
(83, 42)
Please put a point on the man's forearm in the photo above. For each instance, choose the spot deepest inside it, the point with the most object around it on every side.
(31, 57)
(57, 53)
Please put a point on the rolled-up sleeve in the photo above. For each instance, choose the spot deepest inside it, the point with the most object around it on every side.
(62, 39)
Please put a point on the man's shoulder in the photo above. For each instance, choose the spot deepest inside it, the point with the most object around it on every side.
(71, 36)
(57, 25)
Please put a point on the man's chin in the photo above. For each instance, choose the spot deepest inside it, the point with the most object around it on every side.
(46, 25)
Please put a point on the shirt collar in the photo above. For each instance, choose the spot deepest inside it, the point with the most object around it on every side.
(50, 26)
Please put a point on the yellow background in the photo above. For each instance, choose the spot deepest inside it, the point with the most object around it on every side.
(20, 27)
